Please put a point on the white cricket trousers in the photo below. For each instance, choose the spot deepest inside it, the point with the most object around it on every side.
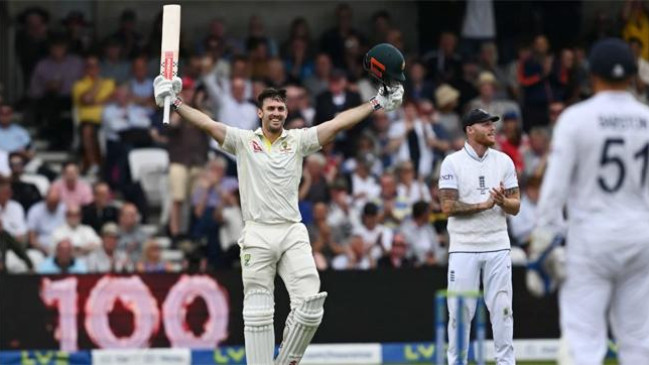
(465, 269)
(268, 249)
(602, 285)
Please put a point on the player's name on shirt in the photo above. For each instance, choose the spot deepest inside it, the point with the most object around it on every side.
(623, 122)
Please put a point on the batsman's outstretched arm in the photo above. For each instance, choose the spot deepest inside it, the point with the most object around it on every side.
(388, 100)
(200, 120)
(163, 88)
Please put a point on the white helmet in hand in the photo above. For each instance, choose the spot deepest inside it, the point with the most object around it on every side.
(163, 87)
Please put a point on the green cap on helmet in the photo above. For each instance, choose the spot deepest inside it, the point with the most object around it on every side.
(385, 62)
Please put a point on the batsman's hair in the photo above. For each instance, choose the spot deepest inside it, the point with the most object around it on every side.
(273, 94)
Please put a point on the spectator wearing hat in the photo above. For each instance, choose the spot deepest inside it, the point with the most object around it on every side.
(76, 31)
(89, 95)
(487, 100)
(108, 258)
(63, 261)
(188, 147)
(83, 238)
(32, 39)
(446, 100)
(413, 139)
(397, 257)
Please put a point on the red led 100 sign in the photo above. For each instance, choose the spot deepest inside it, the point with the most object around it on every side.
(136, 296)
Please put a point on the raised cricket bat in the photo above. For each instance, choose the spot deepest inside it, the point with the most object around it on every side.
(169, 49)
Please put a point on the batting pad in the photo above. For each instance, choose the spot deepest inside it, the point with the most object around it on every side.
(306, 319)
(258, 310)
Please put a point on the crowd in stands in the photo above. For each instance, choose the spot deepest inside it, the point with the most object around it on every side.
(369, 199)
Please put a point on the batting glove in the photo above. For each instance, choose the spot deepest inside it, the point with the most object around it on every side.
(163, 87)
(546, 262)
(388, 100)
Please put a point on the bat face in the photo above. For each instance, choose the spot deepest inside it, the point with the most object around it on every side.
(170, 41)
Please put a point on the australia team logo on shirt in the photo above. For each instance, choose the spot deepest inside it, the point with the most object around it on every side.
(256, 147)
(285, 147)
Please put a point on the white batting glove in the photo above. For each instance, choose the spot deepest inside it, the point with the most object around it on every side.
(389, 100)
(163, 87)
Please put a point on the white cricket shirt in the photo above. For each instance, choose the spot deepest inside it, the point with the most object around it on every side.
(269, 174)
(473, 177)
(599, 166)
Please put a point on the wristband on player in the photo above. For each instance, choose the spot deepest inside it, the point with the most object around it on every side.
(177, 103)
(374, 102)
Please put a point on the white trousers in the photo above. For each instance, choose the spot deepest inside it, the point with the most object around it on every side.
(279, 248)
(602, 286)
(465, 269)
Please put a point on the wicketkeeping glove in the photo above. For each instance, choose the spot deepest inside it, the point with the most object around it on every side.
(546, 263)
(163, 87)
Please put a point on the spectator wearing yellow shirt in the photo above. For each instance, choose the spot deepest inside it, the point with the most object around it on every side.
(636, 24)
(89, 95)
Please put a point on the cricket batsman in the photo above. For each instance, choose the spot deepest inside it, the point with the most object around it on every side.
(599, 169)
(274, 241)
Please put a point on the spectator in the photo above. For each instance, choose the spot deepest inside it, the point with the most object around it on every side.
(354, 55)
(108, 258)
(379, 132)
(72, 189)
(299, 30)
(151, 261)
(12, 214)
(333, 40)
(511, 140)
(63, 261)
(9, 243)
(101, 211)
(299, 105)
(43, 219)
(90, 94)
(642, 80)
(187, 149)
(318, 82)
(113, 66)
(356, 257)
(479, 25)
(334, 101)
(409, 187)
(257, 33)
(564, 78)
(217, 30)
(25, 193)
(441, 144)
(488, 62)
(417, 86)
(395, 208)
(127, 35)
(276, 75)
(13, 137)
(233, 108)
(342, 216)
(522, 224)
(397, 257)
(636, 24)
(126, 125)
(555, 110)
(132, 236)
(50, 88)
(533, 76)
(535, 156)
(488, 100)
(32, 39)
(298, 62)
(315, 186)
(77, 32)
(444, 65)
(258, 56)
(446, 99)
(141, 85)
(376, 237)
(466, 83)
(413, 139)
(230, 221)
(323, 235)
(420, 234)
(381, 25)
(83, 237)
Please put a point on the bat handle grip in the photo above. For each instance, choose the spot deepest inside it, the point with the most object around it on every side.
(165, 113)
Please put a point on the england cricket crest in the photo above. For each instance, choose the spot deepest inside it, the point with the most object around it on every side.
(246, 259)
(483, 189)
